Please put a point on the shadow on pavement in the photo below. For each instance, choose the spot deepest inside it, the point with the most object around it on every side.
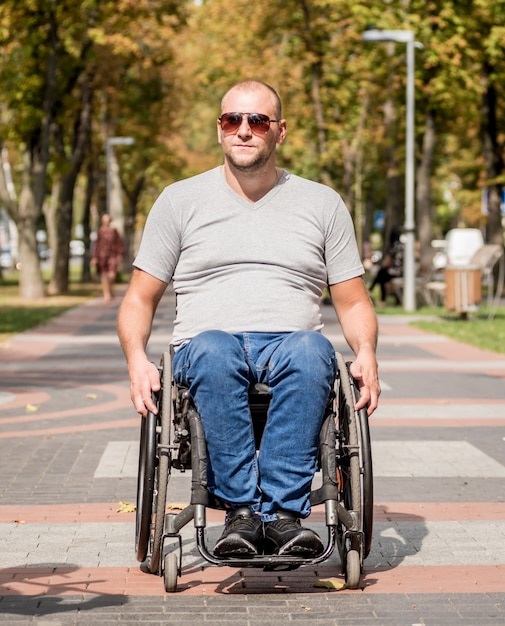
(69, 599)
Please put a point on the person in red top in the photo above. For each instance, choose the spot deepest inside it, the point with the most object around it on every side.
(107, 255)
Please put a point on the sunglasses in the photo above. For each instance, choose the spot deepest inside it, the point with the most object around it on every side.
(258, 123)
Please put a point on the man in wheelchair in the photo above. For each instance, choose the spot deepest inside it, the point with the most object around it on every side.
(249, 248)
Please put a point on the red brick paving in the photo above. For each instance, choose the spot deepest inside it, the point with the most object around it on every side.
(383, 512)
(198, 581)
(225, 580)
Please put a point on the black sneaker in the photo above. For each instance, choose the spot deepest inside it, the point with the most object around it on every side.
(242, 536)
(285, 536)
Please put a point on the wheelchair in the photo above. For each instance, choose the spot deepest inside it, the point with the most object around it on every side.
(174, 440)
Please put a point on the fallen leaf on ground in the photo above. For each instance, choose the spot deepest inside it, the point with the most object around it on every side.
(32, 408)
(126, 507)
(177, 506)
(331, 583)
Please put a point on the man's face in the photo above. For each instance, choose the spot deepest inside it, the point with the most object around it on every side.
(243, 149)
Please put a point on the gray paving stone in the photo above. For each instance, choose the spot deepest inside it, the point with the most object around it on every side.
(398, 609)
(61, 468)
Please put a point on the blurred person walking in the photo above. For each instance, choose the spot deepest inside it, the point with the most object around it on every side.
(107, 255)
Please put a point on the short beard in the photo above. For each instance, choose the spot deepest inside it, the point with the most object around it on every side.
(250, 168)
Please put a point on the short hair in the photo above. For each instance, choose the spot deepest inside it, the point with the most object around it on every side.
(257, 84)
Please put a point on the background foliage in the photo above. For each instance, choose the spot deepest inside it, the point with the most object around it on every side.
(75, 72)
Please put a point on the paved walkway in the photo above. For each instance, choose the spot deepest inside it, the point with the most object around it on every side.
(68, 456)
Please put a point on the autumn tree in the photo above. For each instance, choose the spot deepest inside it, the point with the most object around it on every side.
(128, 88)
(73, 73)
(29, 40)
(156, 71)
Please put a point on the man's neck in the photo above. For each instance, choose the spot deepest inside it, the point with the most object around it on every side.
(252, 185)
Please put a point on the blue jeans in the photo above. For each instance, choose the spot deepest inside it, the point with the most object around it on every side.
(299, 368)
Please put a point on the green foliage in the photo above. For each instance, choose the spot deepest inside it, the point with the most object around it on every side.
(158, 69)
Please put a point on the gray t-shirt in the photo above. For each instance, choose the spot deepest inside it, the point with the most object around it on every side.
(248, 267)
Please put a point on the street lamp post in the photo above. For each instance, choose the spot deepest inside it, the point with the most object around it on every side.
(409, 271)
(113, 141)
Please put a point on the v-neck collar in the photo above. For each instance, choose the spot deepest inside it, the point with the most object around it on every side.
(253, 206)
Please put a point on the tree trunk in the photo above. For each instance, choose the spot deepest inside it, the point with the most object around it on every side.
(60, 279)
(395, 204)
(31, 283)
(315, 87)
(36, 159)
(50, 213)
(80, 141)
(129, 230)
(423, 192)
(493, 159)
(354, 174)
(86, 223)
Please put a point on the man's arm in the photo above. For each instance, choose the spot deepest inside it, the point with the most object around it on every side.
(134, 324)
(359, 325)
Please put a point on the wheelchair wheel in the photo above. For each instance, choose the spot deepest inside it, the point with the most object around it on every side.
(352, 569)
(145, 485)
(355, 477)
(164, 461)
(153, 475)
(366, 472)
(171, 572)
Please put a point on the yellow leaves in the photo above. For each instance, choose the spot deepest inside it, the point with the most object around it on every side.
(121, 45)
(333, 584)
(129, 507)
(126, 507)
(177, 506)
(98, 35)
(32, 408)
(495, 42)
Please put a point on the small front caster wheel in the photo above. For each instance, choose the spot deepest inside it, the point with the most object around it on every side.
(352, 569)
(171, 571)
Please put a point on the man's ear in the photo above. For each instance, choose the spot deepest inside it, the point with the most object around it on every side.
(281, 136)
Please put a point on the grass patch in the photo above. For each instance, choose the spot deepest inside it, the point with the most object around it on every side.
(18, 315)
(478, 330)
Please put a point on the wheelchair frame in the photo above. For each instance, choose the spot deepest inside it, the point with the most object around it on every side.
(174, 438)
